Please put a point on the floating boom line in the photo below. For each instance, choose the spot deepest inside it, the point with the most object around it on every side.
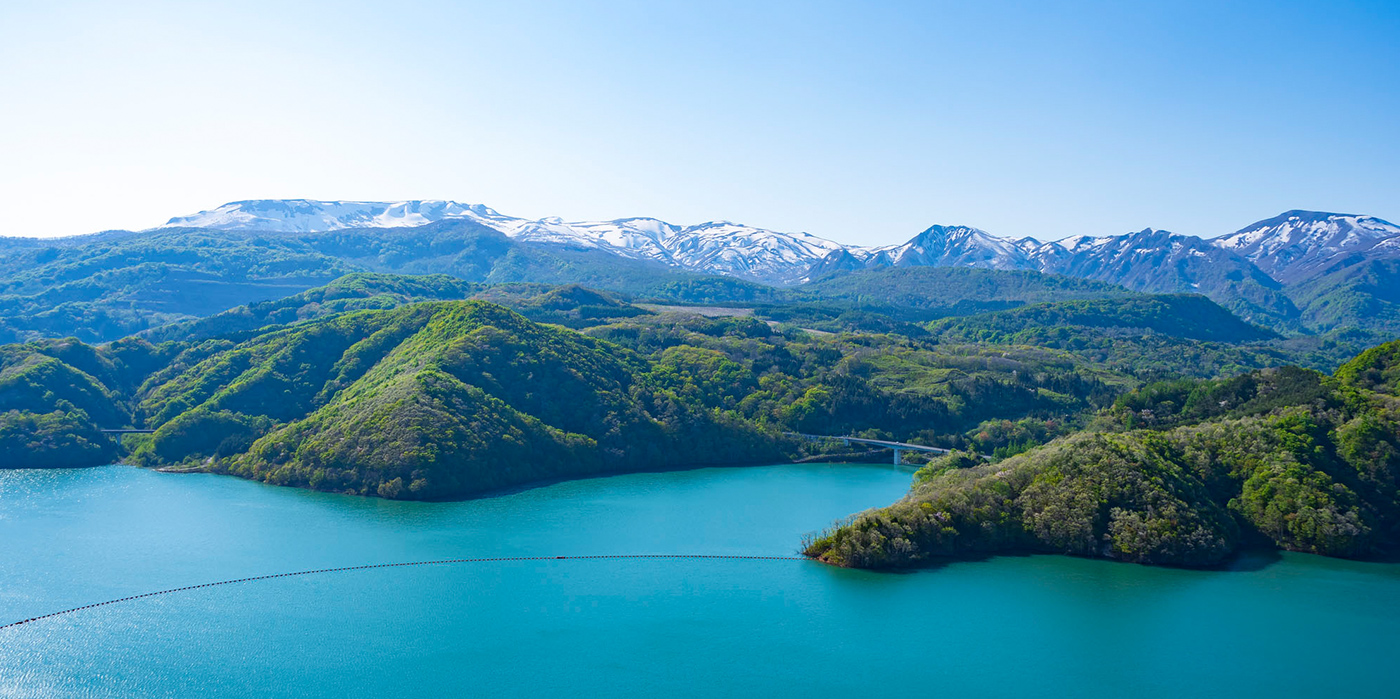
(445, 561)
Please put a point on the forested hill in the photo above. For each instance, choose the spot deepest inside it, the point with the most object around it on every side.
(1178, 315)
(1180, 473)
(351, 292)
(374, 386)
(434, 399)
(957, 290)
(107, 286)
(104, 287)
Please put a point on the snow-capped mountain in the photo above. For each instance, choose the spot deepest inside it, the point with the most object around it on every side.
(1247, 266)
(936, 246)
(717, 247)
(961, 246)
(1159, 261)
(1149, 260)
(1296, 244)
(713, 248)
(1135, 260)
(1141, 260)
(310, 216)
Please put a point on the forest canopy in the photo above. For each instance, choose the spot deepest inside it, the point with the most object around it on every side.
(1146, 428)
(1181, 473)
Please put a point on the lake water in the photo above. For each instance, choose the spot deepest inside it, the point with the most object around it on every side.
(1289, 625)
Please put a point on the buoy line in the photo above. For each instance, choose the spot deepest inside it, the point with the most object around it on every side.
(371, 566)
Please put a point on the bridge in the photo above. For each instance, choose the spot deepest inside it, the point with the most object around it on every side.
(898, 447)
(125, 431)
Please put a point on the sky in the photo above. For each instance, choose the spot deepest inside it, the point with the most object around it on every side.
(860, 122)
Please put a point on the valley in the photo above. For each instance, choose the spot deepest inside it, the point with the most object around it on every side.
(471, 353)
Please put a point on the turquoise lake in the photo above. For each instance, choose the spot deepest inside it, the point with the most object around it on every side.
(1280, 625)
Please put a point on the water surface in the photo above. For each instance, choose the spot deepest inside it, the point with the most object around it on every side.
(1010, 626)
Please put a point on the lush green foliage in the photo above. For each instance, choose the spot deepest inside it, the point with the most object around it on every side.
(359, 384)
(351, 292)
(956, 291)
(109, 285)
(426, 400)
(63, 438)
(882, 386)
(1363, 294)
(1177, 315)
(1376, 369)
(478, 398)
(1152, 337)
(405, 387)
(1182, 472)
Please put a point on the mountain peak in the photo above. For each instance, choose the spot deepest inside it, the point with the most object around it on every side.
(311, 215)
(1292, 243)
(960, 246)
(939, 229)
(1283, 247)
(1299, 215)
(714, 247)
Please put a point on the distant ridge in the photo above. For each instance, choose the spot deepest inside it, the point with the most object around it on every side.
(1295, 244)
(1299, 271)
(1284, 247)
(715, 247)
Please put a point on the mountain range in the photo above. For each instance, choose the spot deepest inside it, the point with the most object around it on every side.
(1300, 271)
(1333, 276)
(716, 247)
(432, 350)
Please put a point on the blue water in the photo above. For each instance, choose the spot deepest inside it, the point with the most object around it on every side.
(1289, 625)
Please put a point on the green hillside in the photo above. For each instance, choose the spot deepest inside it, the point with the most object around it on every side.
(947, 291)
(461, 398)
(107, 286)
(408, 387)
(1181, 473)
(1364, 295)
(351, 292)
(470, 396)
(1150, 336)
(1187, 316)
(900, 299)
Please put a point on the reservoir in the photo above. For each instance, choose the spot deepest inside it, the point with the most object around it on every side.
(1272, 625)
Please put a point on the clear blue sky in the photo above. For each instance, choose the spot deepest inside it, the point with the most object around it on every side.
(861, 122)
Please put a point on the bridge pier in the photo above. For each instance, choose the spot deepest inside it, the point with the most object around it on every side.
(897, 462)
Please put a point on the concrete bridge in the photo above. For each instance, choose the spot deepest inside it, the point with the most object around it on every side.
(898, 447)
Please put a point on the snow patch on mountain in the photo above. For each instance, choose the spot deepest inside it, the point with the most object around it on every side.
(312, 216)
(1285, 247)
(718, 247)
(1295, 243)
